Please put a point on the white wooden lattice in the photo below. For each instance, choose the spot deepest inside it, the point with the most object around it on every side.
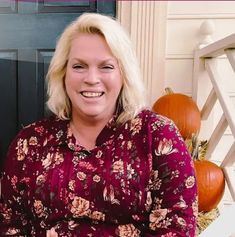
(205, 61)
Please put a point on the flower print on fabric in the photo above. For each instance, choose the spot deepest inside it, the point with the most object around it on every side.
(158, 219)
(128, 230)
(165, 147)
(190, 182)
(108, 195)
(39, 209)
(136, 125)
(169, 235)
(96, 215)
(139, 180)
(22, 149)
(80, 207)
(118, 167)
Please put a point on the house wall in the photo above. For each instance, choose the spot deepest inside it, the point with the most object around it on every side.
(166, 53)
(183, 35)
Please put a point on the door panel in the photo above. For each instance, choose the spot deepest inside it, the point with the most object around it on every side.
(28, 34)
(8, 97)
(67, 6)
(7, 6)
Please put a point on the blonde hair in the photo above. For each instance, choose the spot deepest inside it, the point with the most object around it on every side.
(132, 96)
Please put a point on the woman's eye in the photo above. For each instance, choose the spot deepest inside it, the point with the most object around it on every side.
(108, 67)
(78, 67)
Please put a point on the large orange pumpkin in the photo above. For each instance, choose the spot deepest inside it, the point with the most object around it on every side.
(182, 110)
(211, 184)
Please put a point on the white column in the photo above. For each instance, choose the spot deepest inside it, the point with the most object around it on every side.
(146, 23)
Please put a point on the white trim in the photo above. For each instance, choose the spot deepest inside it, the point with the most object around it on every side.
(200, 16)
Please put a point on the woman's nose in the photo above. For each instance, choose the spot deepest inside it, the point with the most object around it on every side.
(92, 76)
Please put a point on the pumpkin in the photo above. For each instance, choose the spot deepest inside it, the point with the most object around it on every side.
(182, 110)
(209, 176)
(211, 184)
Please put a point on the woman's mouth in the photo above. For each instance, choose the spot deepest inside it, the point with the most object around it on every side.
(91, 94)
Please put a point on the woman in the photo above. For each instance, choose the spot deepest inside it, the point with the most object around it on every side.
(104, 165)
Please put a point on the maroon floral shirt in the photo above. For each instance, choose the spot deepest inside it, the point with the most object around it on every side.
(138, 181)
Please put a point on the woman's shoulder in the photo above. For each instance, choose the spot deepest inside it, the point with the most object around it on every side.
(150, 117)
(41, 127)
(155, 122)
(34, 136)
(158, 124)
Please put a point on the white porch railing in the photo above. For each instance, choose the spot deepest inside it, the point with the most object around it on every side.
(205, 61)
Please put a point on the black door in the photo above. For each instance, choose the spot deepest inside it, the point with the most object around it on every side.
(28, 33)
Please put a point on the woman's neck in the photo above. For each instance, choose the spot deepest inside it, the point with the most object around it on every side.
(86, 132)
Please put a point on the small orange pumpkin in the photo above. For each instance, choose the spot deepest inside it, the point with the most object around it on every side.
(182, 110)
(211, 184)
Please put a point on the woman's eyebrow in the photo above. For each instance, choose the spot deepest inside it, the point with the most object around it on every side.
(77, 59)
(102, 61)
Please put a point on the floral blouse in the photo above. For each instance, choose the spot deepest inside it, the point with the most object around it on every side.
(138, 181)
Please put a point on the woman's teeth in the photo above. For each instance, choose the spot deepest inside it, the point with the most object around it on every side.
(92, 94)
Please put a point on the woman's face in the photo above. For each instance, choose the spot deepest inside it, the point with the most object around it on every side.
(93, 79)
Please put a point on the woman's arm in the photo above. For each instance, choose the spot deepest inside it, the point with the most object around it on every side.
(173, 209)
(13, 218)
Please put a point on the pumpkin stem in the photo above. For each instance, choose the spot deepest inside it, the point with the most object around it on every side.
(169, 91)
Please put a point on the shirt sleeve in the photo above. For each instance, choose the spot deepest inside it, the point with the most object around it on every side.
(172, 197)
(13, 215)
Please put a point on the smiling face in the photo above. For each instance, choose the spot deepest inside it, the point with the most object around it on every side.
(93, 79)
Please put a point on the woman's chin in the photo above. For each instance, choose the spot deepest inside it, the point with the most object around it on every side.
(95, 113)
